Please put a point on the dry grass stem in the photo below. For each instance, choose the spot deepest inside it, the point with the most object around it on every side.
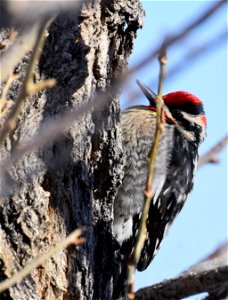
(73, 238)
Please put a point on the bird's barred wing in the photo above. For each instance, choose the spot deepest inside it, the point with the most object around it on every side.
(178, 185)
(158, 223)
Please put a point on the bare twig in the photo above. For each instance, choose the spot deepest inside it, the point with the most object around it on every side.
(189, 57)
(217, 258)
(28, 85)
(73, 238)
(171, 40)
(210, 156)
(4, 103)
(148, 189)
(7, 40)
(53, 129)
(17, 51)
(201, 277)
(187, 285)
(24, 13)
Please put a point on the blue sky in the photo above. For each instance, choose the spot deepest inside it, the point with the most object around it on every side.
(202, 224)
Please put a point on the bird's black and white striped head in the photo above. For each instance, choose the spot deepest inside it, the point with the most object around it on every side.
(182, 109)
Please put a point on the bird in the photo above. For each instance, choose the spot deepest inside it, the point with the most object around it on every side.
(173, 178)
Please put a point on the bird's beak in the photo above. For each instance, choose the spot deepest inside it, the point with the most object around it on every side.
(151, 96)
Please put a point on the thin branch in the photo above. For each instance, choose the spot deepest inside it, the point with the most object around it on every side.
(203, 269)
(24, 43)
(7, 39)
(73, 238)
(53, 129)
(217, 258)
(187, 285)
(24, 13)
(171, 40)
(4, 103)
(189, 57)
(148, 189)
(28, 85)
(210, 156)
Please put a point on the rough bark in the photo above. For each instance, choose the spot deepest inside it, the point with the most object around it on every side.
(73, 181)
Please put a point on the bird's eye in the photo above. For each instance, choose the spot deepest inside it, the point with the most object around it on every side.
(192, 127)
(176, 113)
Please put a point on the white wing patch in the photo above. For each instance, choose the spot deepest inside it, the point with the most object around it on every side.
(122, 229)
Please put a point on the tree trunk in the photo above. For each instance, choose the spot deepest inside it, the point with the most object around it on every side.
(72, 182)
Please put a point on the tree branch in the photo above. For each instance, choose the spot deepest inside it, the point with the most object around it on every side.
(210, 156)
(187, 285)
(216, 259)
(208, 275)
(171, 40)
(191, 55)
